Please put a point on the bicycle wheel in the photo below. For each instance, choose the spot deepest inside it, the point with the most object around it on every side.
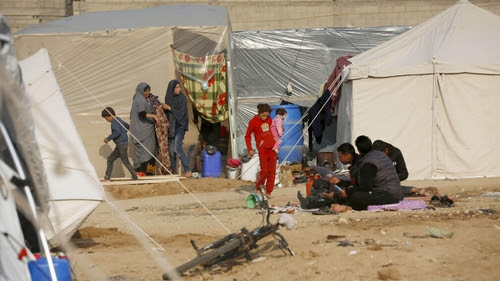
(204, 258)
(283, 244)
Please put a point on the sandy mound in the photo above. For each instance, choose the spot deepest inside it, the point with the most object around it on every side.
(121, 192)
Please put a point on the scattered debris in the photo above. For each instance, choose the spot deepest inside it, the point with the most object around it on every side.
(406, 234)
(345, 243)
(259, 259)
(439, 233)
(487, 211)
(334, 237)
(374, 247)
(491, 194)
(389, 263)
(118, 278)
(343, 220)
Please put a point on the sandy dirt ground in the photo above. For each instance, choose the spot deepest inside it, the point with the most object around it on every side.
(387, 245)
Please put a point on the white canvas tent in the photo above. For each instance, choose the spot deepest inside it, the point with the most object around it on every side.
(73, 186)
(11, 268)
(99, 59)
(16, 145)
(434, 92)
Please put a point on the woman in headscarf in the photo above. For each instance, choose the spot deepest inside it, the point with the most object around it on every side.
(142, 128)
(178, 119)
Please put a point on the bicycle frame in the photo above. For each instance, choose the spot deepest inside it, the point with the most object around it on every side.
(235, 244)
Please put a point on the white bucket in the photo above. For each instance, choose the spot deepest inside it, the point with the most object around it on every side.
(250, 169)
(232, 173)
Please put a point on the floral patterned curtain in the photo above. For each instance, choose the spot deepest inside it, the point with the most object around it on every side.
(204, 79)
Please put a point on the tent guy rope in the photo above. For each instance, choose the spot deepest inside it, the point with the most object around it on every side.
(310, 123)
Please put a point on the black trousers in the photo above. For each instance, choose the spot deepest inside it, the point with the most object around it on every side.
(361, 200)
(120, 151)
(406, 190)
(316, 200)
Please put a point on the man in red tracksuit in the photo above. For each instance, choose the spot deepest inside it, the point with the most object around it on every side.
(260, 127)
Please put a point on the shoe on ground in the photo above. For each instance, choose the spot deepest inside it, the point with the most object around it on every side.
(302, 200)
(187, 175)
(441, 201)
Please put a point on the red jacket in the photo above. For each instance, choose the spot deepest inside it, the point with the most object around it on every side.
(261, 131)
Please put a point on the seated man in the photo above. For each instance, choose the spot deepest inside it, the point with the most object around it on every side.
(347, 156)
(375, 179)
(399, 163)
(325, 190)
(319, 198)
(327, 174)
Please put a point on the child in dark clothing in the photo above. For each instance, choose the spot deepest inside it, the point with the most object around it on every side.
(120, 137)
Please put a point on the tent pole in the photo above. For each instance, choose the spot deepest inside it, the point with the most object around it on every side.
(231, 95)
(433, 109)
(232, 112)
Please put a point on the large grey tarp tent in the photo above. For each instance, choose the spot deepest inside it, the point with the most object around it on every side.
(99, 59)
(434, 92)
(266, 61)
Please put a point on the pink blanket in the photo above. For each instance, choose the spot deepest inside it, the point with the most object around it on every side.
(402, 205)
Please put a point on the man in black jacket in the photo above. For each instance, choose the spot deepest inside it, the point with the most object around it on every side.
(395, 155)
(398, 161)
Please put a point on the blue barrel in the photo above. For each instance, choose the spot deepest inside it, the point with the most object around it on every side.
(292, 136)
(212, 165)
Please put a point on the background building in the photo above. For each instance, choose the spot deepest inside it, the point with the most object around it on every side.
(254, 15)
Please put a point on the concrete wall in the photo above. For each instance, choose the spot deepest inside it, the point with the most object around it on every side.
(255, 15)
(21, 13)
(275, 14)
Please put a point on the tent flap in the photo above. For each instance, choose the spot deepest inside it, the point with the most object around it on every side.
(74, 188)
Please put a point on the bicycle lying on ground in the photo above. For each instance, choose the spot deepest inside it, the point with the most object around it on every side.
(240, 243)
